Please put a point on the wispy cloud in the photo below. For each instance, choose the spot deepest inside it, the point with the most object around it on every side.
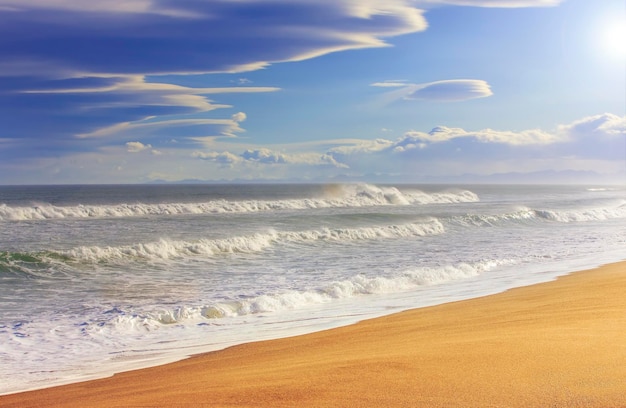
(166, 37)
(210, 127)
(82, 68)
(452, 90)
(98, 82)
(496, 3)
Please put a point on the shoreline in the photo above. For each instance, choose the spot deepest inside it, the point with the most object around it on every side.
(559, 342)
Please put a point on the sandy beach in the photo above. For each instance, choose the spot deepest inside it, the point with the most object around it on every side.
(556, 344)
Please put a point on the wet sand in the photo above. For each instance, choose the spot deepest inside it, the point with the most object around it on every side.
(556, 344)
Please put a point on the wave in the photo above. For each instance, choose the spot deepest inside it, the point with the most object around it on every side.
(358, 285)
(48, 265)
(482, 220)
(337, 197)
(167, 249)
(582, 215)
(528, 214)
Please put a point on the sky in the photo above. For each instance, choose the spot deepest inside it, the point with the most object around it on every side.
(140, 91)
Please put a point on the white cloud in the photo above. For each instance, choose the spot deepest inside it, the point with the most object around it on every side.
(604, 125)
(224, 158)
(593, 143)
(391, 83)
(443, 134)
(269, 157)
(133, 90)
(496, 3)
(210, 127)
(239, 117)
(264, 156)
(134, 147)
(127, 6)
(358, 146)
(109, 92)
(297, 30)
(451, 90)
(115, 93)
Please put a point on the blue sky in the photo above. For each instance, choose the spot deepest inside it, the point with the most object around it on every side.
(309, 90)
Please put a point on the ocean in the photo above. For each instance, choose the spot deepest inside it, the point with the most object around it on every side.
(100, 279)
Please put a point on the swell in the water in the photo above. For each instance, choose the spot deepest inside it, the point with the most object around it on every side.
(49, 265)
(341, 196)
(607, 212)
(165, 249)
(358, 285)
(584, 214)
(168, 249)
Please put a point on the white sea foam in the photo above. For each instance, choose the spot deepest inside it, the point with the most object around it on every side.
(168, 249)
(361, 195)
(592, 189)
(359, 285)
(603, 213)
(481, 220)
(582, 215)
(462, 196)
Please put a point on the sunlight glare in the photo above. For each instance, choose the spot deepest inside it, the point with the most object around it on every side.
(614, 38)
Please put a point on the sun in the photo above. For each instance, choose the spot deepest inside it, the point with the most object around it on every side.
(613, 41)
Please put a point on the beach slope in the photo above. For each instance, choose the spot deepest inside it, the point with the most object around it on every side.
(561, 343)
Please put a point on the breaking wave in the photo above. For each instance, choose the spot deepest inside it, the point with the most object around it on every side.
(529, 214)
(358, 285)
(164, 249)
(337, 197)
(49, 265)
(167, 249)
(581, 215)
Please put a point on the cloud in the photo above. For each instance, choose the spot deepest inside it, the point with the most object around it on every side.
(167, 36)
(451, 90)
(361, 146)
(105, 106)
(134, 147)
(202, 128)
(239, 117)
(443, 134)
(88, 69)
(592, 143)
(391, 83)
(266, 156)
(497, 3)
(604, 125)
(599, 138)
(225, 158)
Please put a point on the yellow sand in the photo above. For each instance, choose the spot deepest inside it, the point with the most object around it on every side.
(557, 344)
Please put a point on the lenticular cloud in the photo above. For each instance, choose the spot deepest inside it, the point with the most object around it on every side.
(451, 90)
(240, 36)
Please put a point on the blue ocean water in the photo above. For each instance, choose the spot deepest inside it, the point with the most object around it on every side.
(99, 279)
